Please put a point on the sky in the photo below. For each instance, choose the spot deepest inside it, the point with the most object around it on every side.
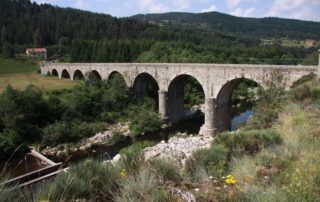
(296, 9)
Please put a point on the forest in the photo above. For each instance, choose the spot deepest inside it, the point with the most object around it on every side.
(72, 35)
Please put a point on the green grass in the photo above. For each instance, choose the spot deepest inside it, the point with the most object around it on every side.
(18, 65)
(19, 72)
(22, 80)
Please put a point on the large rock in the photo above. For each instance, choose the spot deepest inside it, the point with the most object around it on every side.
(177, 148)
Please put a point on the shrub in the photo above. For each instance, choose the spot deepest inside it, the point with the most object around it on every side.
(61, 132)
(145, 121)
(301, 92)
(212, 160)
(167, 169)
(304, 79)
(271, 102)
(117, 137)
(248, 142)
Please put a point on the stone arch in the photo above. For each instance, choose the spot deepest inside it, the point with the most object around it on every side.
(224, 102)
(78, 75)
(95, 74)
(176, 96)
(65, 74)
(54, 72)
(144, 83)
(116, 74)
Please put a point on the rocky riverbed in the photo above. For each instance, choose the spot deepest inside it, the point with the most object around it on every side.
(178, 148)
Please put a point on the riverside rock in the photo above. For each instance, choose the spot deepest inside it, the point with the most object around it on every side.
(63, 151)
(177, 148)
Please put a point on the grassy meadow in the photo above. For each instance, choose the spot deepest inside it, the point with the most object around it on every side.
(22, 71)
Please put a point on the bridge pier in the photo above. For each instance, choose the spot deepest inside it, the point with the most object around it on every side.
(223, 114)
(163, 105)
(209, 122)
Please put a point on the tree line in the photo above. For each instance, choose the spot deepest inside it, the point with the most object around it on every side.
(81, 36)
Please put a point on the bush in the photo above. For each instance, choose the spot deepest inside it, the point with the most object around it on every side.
(248, 142)
(62, 132)
(167, 169)
(271, 102)
(301, 92)
(145, 121)
(213, 160)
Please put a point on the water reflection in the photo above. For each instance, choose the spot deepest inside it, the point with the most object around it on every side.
(242, 118)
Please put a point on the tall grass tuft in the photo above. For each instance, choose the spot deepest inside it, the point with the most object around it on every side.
(144, 186)
(87, 180)
(207, 162)
(167, 169)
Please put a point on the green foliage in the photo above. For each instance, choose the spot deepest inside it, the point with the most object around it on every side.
(248, 142)
(212, 160)
(136, 147)
(22, 114)
(303, 80)
(307, 91)
(244, 97)
(245, 26)
(193, 92)
(145, 121)
(167, 169)
(270, 104)
(63, 132)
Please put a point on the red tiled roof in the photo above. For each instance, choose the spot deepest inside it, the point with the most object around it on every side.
(37, 50)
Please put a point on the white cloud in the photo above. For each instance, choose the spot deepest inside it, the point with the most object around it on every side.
(82, 4)
(210, 9)
(299, 9)
(243, 12)
(233, 3)
(152, 6)
(180, 5)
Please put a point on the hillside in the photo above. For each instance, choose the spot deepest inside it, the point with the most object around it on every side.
(262, 27)
(73, 35)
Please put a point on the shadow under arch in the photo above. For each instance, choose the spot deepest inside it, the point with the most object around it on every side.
(116, 78)
(176, 95)
(65, 74)
(226, 104)
(146, 85)
(54, 72)
(94, 74)
(78, 75)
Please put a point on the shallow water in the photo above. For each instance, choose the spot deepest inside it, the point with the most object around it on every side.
(240, 119)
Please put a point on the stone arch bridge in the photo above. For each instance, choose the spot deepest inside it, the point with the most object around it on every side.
(217, 81)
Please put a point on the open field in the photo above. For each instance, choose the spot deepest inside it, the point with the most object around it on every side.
(18, 65)
(22, 71)
(308, 43)
(22, 80)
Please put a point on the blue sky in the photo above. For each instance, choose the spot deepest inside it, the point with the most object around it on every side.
(297, 9)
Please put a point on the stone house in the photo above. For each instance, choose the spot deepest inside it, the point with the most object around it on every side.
(37, 52)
